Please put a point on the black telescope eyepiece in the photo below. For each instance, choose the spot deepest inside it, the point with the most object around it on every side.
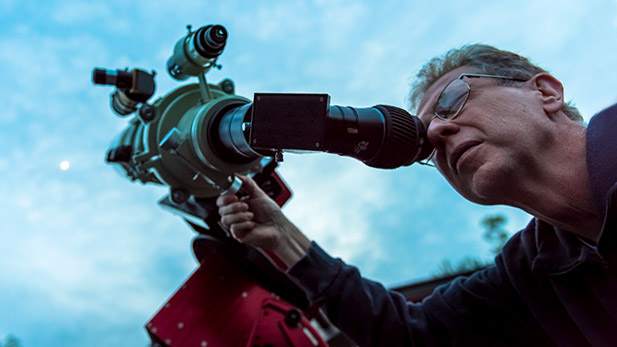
(210, 40)
(119, 78)
(132, 87)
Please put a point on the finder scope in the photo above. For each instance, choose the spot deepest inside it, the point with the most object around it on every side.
(197, 52)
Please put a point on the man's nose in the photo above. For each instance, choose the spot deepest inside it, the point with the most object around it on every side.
(440, 130)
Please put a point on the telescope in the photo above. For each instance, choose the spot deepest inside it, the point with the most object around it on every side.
(198, 137)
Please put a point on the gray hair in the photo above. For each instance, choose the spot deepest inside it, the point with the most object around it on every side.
(483, 59)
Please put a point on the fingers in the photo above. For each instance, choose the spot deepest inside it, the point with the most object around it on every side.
(241, 230)
(226, 199)
(235, 207)
(236, 218)
(235, 214)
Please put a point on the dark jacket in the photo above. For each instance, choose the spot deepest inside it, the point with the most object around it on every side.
(547, 287)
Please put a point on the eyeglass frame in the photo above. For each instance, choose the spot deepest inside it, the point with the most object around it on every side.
(427, 161)
(460, 77)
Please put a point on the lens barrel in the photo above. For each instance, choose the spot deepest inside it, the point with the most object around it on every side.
(405, 140)
(381, 136)
(210, 40)
(122, 104)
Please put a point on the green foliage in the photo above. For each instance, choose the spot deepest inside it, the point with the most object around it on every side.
(495, 233)
(446, 268)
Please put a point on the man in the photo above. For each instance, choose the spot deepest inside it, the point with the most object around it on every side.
(503, 134)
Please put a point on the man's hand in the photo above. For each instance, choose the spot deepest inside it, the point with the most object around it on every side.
(258, 221)
(252, 219)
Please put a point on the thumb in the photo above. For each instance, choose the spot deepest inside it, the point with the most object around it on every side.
(251, 187)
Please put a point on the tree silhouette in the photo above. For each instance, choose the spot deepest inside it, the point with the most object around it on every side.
(494, 234)
(446, 268)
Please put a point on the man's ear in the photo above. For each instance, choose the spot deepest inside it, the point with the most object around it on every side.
(551, 92)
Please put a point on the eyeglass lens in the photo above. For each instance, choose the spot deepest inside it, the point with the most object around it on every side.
(452, 99)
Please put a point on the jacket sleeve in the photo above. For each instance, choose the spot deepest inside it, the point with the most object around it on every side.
(481, 309)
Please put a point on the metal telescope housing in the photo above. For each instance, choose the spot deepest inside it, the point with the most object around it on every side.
(196, 138)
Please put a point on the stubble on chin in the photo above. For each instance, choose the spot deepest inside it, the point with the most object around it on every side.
(491, 182)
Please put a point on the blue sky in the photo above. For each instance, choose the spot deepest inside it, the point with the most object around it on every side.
(87, 257)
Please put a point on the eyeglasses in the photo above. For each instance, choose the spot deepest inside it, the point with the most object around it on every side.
(453, 98)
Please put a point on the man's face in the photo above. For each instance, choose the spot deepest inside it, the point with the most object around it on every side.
(490, 146)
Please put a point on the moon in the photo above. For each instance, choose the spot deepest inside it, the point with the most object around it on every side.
(65, 165)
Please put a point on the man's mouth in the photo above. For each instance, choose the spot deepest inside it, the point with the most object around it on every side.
(458, 153)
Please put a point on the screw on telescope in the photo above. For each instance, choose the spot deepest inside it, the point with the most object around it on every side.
(227, 86)
(146, 112)
(292, 318)
(179, 195)
(278, 155)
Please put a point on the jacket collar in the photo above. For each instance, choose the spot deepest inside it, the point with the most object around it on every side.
(560, 251)
(601, 157)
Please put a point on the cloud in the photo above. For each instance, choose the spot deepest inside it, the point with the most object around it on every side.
(323, 207)
(79, 13)
(78, 244)
(7, 5)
